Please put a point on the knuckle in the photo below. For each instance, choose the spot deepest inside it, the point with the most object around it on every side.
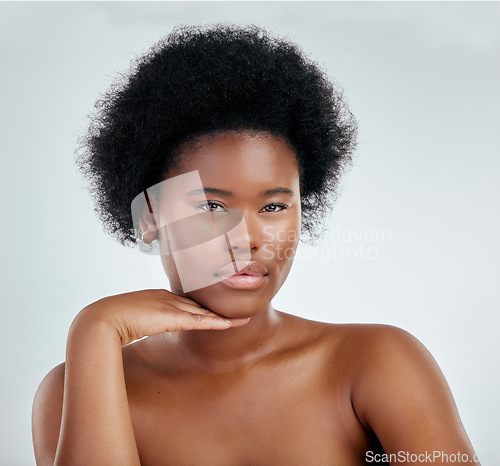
(161, 293)
(197, 318)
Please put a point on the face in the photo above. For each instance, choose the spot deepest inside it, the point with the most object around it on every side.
(248, 185)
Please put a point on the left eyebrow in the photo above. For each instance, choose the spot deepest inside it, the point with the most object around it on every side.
(223, 192)
(279, 190)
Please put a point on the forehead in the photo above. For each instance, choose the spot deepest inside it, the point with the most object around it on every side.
(240, 160)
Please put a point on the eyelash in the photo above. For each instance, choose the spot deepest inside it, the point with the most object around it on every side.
(217, 204)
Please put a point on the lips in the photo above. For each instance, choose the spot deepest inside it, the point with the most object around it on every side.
(251, 268)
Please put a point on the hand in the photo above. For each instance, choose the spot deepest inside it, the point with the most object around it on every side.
(149, 312)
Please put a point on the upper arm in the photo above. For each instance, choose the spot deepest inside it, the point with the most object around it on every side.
(46, 416)
(402, 396)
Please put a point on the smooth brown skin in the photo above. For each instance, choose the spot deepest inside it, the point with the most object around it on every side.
(277, 390)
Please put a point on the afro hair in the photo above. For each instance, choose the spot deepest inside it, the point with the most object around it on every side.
(202, 80)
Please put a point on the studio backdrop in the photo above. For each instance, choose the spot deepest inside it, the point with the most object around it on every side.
(412, 240)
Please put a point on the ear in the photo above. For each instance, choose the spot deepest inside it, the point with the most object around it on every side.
(147, 220)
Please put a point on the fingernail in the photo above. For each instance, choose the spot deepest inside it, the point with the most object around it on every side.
(241, 320)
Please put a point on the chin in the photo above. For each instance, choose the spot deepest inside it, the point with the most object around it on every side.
(230, 303)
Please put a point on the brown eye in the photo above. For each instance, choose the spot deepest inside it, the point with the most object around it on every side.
(211, 206)
(274, 207)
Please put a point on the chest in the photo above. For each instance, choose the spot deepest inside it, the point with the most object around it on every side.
(292, 415)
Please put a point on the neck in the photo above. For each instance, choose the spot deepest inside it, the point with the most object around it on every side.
(234, 348)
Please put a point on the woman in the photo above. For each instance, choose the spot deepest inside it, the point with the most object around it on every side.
(227, 144)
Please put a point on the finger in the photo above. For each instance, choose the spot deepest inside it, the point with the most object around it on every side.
(185, 320)
(233, 322)
(184, 299)
(239, 322)
(208, 312)
(189, 307)
(205, 311)
(187, 300)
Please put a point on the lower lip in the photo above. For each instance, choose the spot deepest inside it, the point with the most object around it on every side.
(244, 282)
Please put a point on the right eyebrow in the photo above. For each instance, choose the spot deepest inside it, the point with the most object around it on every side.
(220, 192)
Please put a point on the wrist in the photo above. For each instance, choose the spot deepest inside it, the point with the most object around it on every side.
(92, 322)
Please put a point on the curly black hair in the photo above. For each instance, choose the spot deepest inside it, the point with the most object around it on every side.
(202, 80)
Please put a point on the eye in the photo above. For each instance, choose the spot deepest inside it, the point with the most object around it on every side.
(211, 206)
(274, 207)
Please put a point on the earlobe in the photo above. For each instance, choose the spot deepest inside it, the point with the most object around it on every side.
(148, 227)
(144, 217)
(147, 220)
(149, 235)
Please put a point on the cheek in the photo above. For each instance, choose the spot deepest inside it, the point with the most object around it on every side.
(280, 243)
(171, 271)
(196, 267)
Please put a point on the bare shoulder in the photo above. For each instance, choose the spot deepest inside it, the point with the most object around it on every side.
(368, 334)
(46, 415)
(385, 352)
(368, 342)
(381, 355)
(398, 390)
(362, 341)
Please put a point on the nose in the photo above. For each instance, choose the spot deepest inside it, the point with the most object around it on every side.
(246, 236)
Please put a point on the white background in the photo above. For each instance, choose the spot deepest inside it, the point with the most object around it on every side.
(423, 81)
